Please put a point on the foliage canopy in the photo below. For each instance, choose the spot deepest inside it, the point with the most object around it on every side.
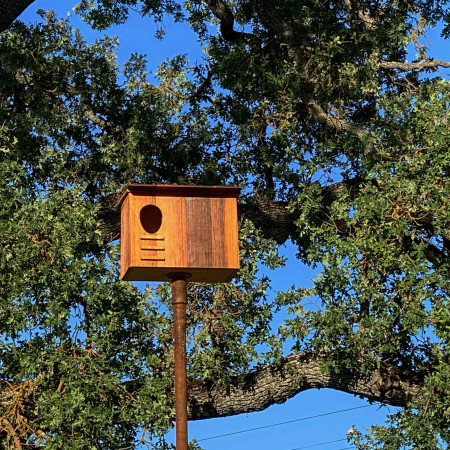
(342, 146)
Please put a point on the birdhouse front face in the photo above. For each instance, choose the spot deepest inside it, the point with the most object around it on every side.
(167, 229)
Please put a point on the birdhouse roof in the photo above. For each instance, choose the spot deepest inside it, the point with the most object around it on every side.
(173, 190)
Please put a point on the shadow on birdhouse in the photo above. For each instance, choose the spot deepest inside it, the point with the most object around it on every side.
(167, 229)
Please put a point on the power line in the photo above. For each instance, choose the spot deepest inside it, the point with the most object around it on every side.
(318, 445)
(283, 423)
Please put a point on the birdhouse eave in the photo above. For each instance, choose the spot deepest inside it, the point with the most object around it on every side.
(173, 190)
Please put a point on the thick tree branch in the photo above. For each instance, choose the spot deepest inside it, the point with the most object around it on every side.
(271, 384)
(11, 10)
(226, 18)
(420, 65)
(338, 125)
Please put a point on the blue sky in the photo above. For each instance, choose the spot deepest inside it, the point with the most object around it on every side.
(137, 35)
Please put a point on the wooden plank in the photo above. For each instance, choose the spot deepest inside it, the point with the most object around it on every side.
(199, 232)
(231, 234)
(125, 241)
(170, 190)
(198, 275)
(174, 230)
(152, 258)
(152, 243)
(144, 257)
(217, 232)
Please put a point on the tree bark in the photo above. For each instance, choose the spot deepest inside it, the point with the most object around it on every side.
(11, 10)
(272, 384)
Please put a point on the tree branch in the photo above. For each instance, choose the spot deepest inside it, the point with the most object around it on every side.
(226, 18)
(270, 19)
(421, 65)
(338, 125)
(272, 384)
(11, 10)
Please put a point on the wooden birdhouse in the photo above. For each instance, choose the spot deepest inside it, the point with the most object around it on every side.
(168, 229)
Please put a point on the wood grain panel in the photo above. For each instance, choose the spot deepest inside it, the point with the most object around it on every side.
(125, 242)
(152, 242)
(173, 228)
(231, 233)
(143, 257)
(217, 232)
(171, 190)
(199, 232)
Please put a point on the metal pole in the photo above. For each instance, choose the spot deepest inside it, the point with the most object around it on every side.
(179, 299)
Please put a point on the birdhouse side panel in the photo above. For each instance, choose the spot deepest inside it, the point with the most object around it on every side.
(231, 234)
(125, 237)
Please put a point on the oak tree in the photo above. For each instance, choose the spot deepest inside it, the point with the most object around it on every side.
(342, 146)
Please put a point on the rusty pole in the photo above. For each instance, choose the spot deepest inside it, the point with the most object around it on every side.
(179, 300)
